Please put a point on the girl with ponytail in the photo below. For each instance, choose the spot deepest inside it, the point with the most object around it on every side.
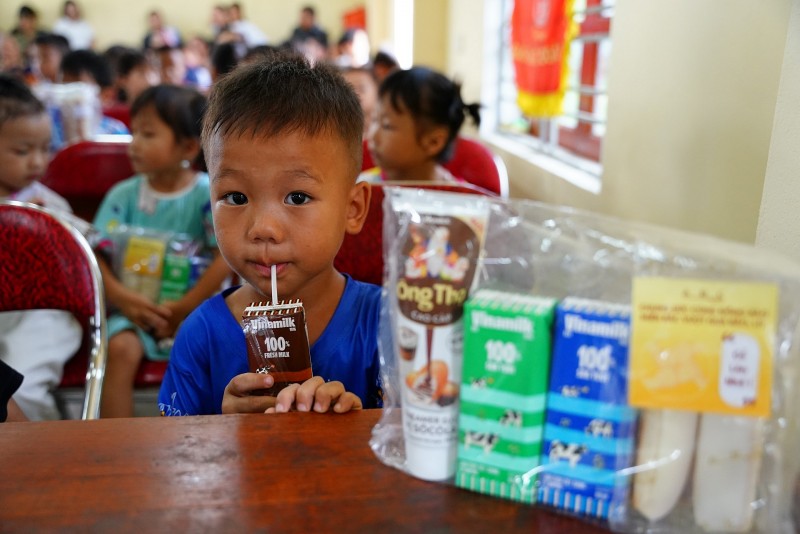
(417, 119)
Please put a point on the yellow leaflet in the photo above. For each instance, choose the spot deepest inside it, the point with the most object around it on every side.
(702, 345)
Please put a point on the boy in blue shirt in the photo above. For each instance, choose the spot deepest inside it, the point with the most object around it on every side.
(282, 141)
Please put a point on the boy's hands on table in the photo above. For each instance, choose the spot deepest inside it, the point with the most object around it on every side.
(237, 398)
(312, 395)
(316, 395)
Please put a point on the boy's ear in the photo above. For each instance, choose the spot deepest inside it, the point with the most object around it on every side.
(357, 207)
(434, 140)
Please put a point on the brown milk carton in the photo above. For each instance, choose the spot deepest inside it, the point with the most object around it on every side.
(277, 343)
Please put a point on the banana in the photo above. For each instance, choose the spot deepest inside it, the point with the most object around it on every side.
(664, 457)
(727, 464)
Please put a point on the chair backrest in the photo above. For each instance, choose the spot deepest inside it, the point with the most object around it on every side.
(45, 263)
(361, 255)
(476, 164)
(121, 112)
(84, 172)
(472, 162)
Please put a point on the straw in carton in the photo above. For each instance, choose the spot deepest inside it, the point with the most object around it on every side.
(277, 340)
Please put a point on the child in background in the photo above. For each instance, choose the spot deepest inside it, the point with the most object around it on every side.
(90, 67)
(166, 194)
(383, 64)
(24, 155)
(417, 118)
(134, 75)
(47, 52)
(365, 86)
(283, 145)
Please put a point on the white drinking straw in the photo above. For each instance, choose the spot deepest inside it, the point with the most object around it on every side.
(274, 285)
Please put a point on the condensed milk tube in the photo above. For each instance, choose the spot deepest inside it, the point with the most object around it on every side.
(435, 262)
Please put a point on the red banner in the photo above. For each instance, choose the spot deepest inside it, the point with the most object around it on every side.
(355, 18)
(540, 34)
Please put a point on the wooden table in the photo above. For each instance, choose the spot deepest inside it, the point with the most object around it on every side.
(233, 473)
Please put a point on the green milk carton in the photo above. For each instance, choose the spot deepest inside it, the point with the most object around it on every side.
(507, 339)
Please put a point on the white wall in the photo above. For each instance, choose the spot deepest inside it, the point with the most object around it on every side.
(779, 219)
(692, 90)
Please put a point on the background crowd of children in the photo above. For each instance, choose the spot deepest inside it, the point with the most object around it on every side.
(156, 91)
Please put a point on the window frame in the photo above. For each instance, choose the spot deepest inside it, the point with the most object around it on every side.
(558, 148)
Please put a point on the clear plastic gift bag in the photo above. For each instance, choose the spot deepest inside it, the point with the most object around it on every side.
(157, 264)
(616, 371)
(75, 109)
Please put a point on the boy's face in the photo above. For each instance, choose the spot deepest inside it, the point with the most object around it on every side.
(24, 152)
(285, 201)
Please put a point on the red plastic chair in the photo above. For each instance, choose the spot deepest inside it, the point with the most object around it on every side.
(45, 263)
(361, 255)
(472, 162)
(476, 164)
(121, 112)
(84, 172)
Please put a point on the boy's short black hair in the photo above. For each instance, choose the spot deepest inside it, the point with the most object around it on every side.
(17, 100)
(284, 94)
(181, 108)
(78, 61)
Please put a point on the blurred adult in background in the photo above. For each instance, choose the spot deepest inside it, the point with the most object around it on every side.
(47, 52)
(251, 34)
(26, 30)
(78, 32)
(221, 24)
(160, 34)
(352, 49)
(11, 60)
(308, 29)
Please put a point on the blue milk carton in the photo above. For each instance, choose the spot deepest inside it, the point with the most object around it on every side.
(589, 427)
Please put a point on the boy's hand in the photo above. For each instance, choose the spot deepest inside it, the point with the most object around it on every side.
(145, 314)
(237, 398)
(316, 395)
